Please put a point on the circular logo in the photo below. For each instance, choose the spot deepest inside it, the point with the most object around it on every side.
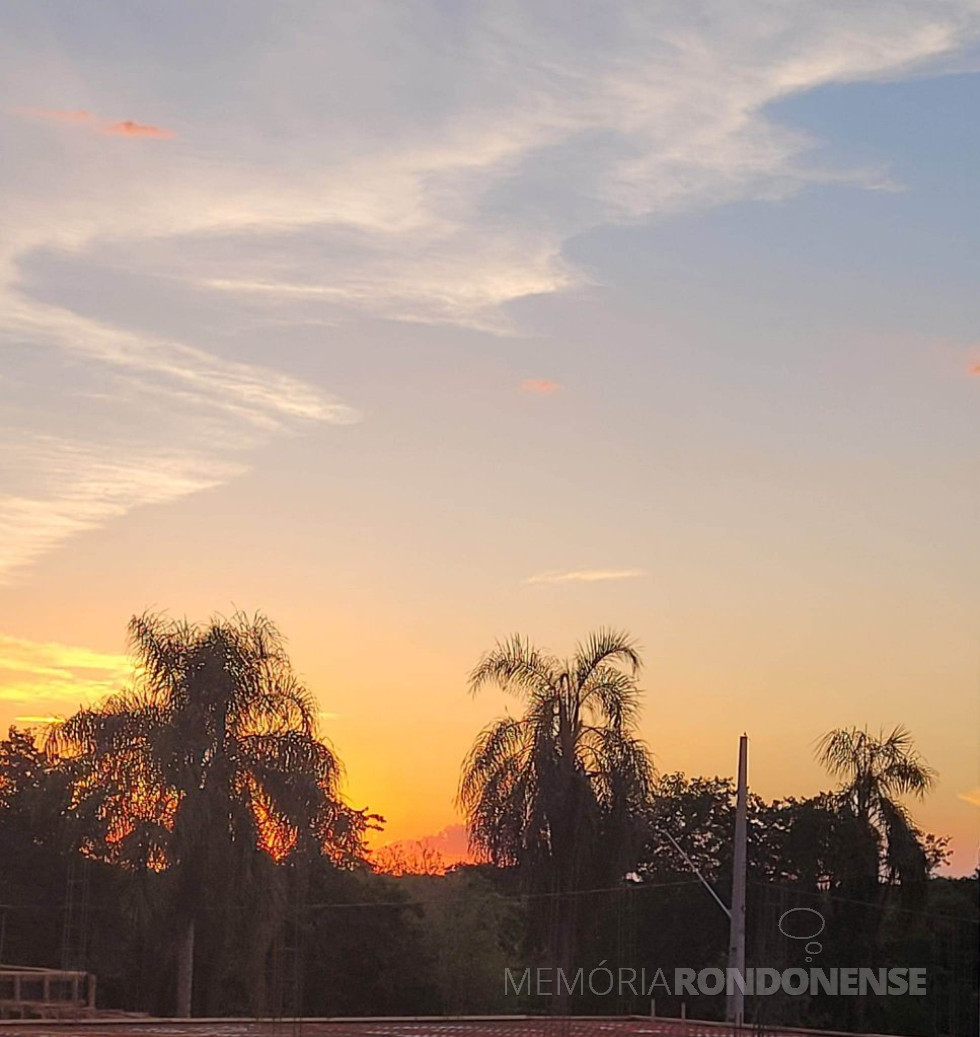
(803, 924)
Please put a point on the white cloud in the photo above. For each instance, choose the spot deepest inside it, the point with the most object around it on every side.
(79, 487)
(585, 576)
(256, 395)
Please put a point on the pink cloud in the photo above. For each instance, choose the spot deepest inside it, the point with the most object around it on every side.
(128, 128)
(430, 855)
(125, 128)
(974, 370)
(540, 386)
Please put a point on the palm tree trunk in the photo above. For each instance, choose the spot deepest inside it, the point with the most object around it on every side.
(185, 970)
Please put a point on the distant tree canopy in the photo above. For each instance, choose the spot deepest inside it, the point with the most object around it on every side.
(810, 841)
(564, 795)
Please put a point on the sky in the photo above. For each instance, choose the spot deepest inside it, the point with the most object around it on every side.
(417, 325)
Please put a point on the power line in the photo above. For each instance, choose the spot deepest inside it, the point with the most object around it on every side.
(420, 902)
(822, 894)
(638, 887)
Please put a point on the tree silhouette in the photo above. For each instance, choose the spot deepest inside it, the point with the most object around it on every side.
(874, 771)
(560, 791)
(883, 844)
(209, 756)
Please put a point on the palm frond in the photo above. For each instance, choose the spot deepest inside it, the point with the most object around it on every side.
(873, 770)
(613, 695)
(518, 668)
(605, 647)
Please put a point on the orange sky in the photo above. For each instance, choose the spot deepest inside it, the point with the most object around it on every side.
(390, 674)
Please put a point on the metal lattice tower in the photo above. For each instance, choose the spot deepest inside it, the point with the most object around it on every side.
(74, 933)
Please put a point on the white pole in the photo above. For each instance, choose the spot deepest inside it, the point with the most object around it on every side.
(736, 945)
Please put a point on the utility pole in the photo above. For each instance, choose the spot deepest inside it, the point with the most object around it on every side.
(736, 945)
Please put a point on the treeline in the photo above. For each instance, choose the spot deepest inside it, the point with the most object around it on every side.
(187, 842)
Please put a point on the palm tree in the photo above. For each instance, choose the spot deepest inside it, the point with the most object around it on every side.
(560, 791)
(209, 756)
(878, 839)
(874, 771)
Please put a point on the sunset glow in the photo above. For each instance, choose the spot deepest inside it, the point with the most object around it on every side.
(415, 328)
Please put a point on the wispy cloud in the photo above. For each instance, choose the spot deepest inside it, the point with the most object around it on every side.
(972, 797)
(79, 487)
(55, 676)
(585, 576)
(448, 216)
(390, 206)
(57, 488)
(123, 128)
(258, 395)
(540, 386)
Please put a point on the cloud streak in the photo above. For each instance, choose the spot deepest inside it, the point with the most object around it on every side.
(83, 486)
(57, 677)
(255, 394)
(586, 576)
(128, 128)
(540, 386)
(58, 487)
(123, 128)
(63, 115)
